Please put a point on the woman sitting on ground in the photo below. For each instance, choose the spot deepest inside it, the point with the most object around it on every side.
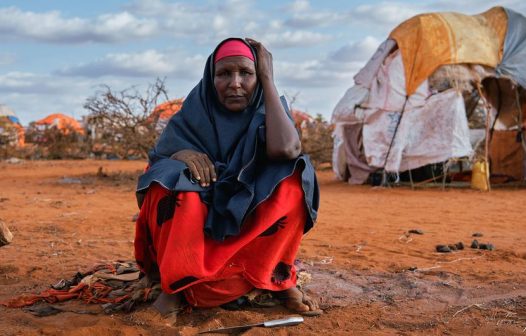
(228, 194)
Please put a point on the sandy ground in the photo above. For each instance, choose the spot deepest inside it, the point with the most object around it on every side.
(372, 277)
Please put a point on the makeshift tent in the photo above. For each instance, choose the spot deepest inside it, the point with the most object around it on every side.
(163, 112)
(301, 118)
(61, 122)
(10, 126)
(443, 86)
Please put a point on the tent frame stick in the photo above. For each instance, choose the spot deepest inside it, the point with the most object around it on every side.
(519, 107)
(385, 182)
(486, 142)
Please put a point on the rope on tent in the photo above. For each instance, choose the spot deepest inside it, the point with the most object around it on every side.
(385, 182)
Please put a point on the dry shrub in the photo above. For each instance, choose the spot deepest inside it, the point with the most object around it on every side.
(121, 123)
(316, 140)
(54, 143)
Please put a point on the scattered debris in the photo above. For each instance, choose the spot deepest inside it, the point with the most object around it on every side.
(101, 173)
(450, 247)
(482, 246)
(14, 160)
(477, 234)
(5, 235)
(44, 309)
(478, 305)
(443, 248)
(416, 231)
(69, 180)
(486, 246)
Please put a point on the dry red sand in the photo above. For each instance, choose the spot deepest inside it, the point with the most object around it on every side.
(372, 278)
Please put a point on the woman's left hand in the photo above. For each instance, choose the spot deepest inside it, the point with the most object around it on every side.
(265, 70)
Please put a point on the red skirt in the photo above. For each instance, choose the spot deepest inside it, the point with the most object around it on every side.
(169, 238)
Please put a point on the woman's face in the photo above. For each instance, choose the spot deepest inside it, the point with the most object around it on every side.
(235, 81)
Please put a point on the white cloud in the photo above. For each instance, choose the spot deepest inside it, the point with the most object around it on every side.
(386, 13)
(150, 63)
(357, 51)
(315, 19)
(297, 38)
(25, 82)
(474, 6)
(300, 6)
(52, 27)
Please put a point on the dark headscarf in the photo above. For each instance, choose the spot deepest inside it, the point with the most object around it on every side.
(235, 143)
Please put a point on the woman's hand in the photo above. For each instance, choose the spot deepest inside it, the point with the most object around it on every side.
(201, 168)
(265, 70)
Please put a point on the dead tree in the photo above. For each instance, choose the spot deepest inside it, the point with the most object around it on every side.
(122, 123)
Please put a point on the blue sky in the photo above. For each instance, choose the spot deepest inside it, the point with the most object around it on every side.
(54, 54)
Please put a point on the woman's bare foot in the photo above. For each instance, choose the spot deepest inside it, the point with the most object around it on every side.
(297, 301)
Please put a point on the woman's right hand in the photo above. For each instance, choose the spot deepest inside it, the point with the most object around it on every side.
(201, 168)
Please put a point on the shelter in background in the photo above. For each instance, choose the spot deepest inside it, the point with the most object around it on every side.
(11, 131)
(61, 122)
(443, 86)
(163, 112)
(301, 119)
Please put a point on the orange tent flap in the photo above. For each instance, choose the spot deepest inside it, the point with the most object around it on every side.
(428, 41)
(167, 109)
(61, 121)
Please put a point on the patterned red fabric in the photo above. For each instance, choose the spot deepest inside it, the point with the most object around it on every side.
(170, 237)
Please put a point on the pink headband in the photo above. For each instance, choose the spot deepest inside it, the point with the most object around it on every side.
(233, 48)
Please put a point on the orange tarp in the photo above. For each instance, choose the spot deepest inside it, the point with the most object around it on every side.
(168, 109)
(428, 41)
(61, 121)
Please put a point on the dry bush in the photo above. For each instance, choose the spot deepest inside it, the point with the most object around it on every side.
(121, 123)
(54, 143)
(317, 142)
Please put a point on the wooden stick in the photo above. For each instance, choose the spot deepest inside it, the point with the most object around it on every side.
(5, 235)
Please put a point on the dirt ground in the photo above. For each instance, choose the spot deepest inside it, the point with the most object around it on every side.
(371, 276)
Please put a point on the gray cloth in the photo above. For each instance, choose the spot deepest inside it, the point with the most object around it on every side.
(356, 163)
(513, 62)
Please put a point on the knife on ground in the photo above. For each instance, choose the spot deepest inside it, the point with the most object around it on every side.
(288, 321)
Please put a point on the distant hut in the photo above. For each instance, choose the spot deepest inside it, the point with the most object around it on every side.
(61, 122)
(11, 131)
(163, 112)
(301, 119)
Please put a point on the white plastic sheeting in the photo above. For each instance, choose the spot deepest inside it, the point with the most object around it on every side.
(388, 89)
(346, 110)
(367, 74)
(433, 133)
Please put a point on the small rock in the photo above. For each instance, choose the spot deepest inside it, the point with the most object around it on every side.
(416, 231)
(412, 268)
(443, 248)
(5, 235)
(477, 234)
(459, 245)
(452, 247)
(487, 246)
(474, 244)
